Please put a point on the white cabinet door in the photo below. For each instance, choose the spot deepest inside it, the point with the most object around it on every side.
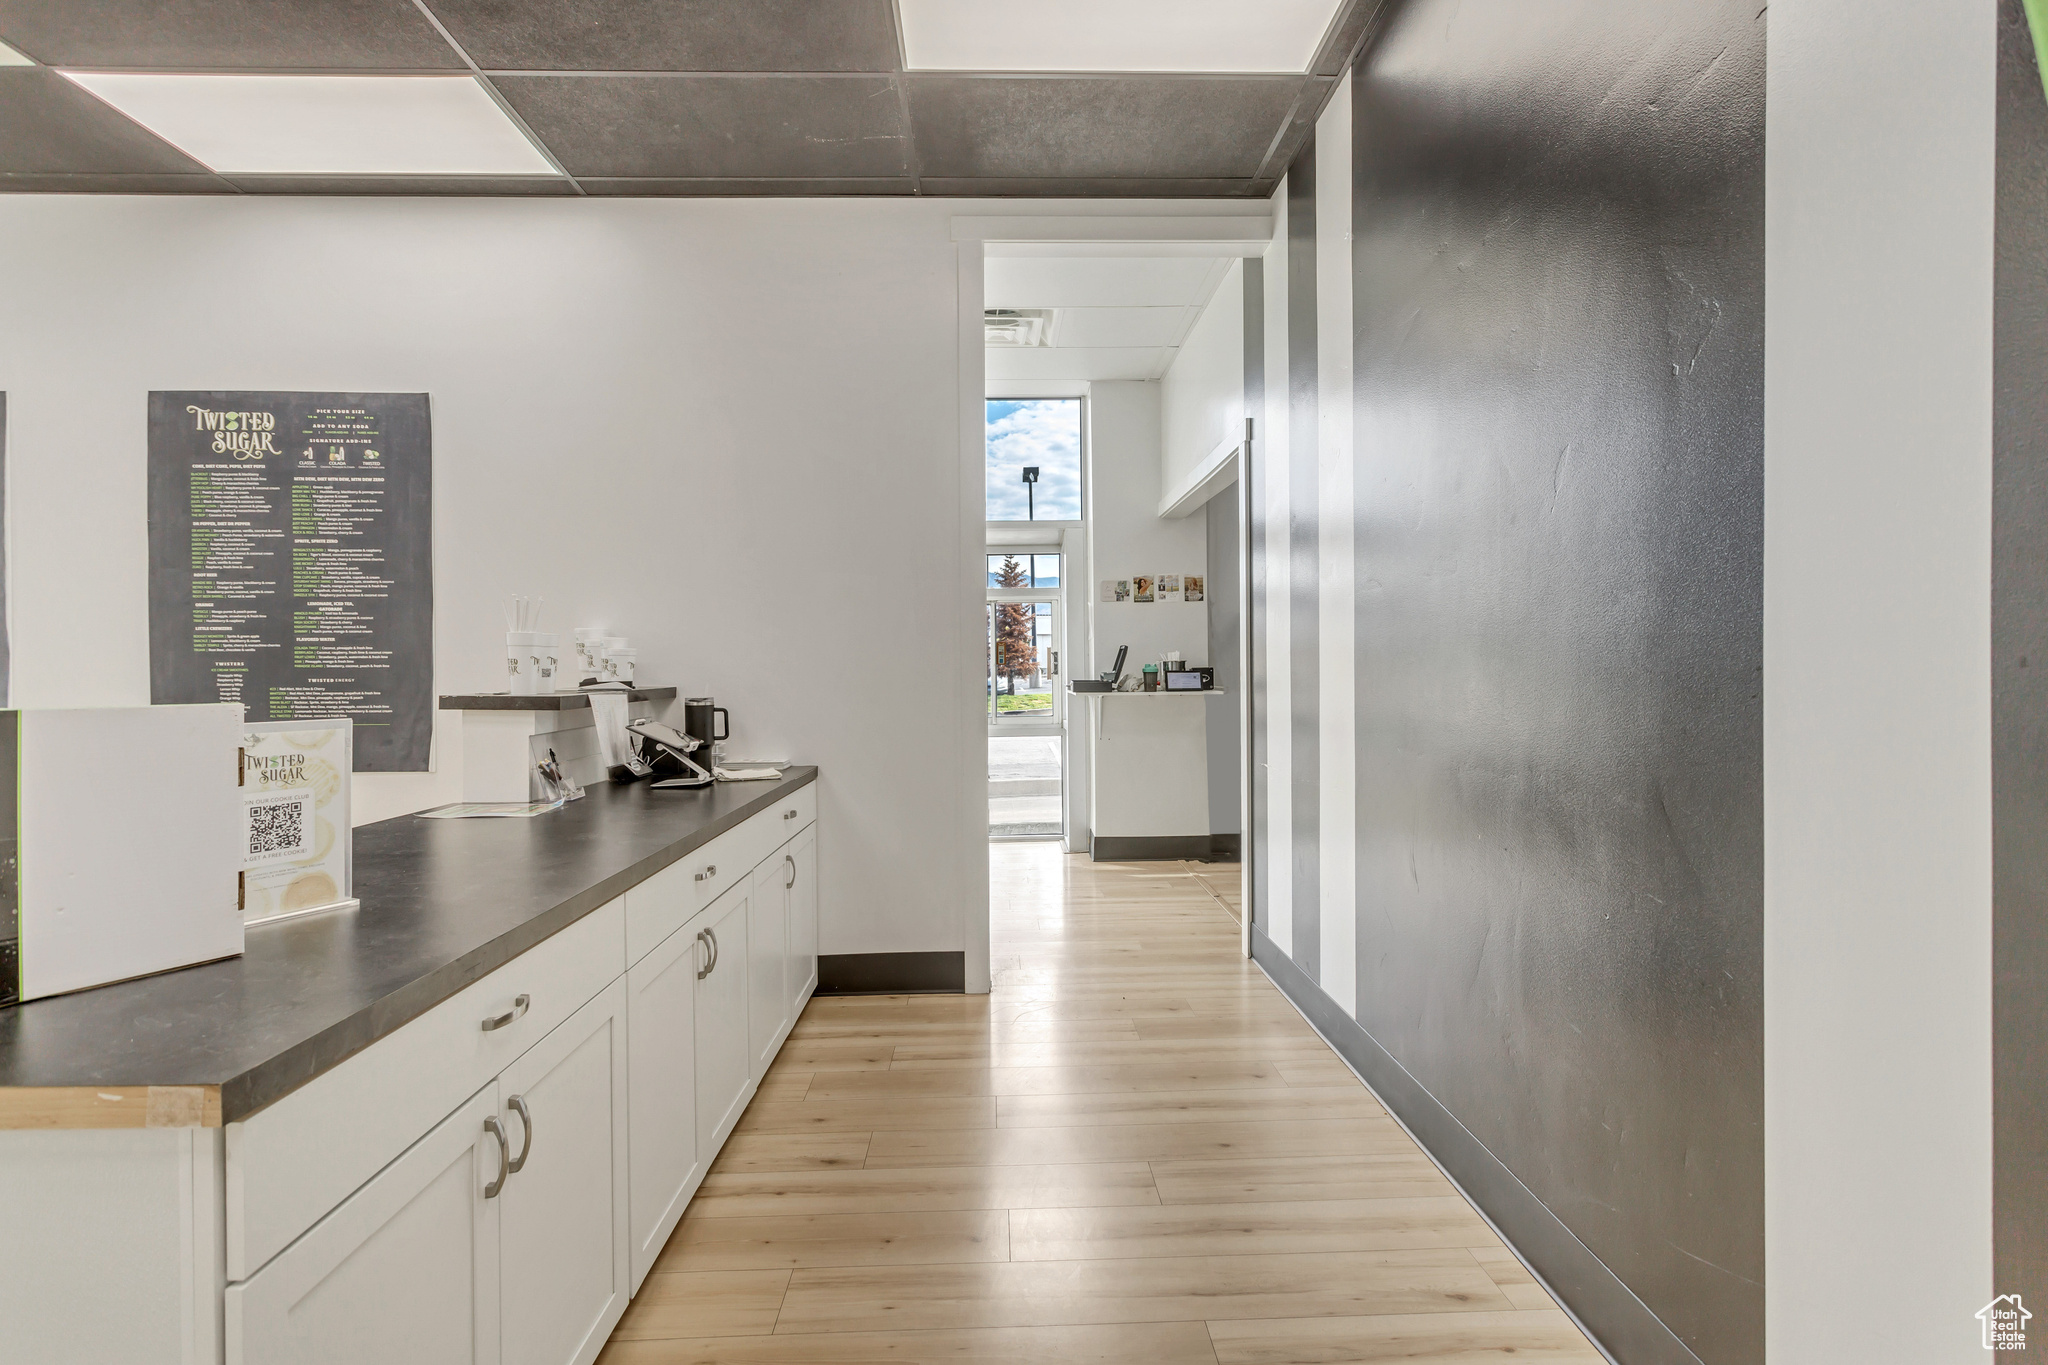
(800, 869)
(722, 1053)
(562, 1219)
(661, 1047)
(405, 1270)
(767, 965)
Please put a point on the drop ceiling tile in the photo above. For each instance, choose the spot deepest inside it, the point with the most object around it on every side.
(1137, 127)
(226, 34)
(794, 187)
(518, 185)
(1112, 362)
(1119, 327)
(674, 35)
(1125, 35)
(48, 126)
(1099, 281)
(743, 127)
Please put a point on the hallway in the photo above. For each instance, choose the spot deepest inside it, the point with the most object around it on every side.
(1134, 1152)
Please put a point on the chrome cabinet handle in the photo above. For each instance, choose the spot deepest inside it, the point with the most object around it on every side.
(497, 1130)
(704, 937)
(792, 872)
(520, 1004)
(518, 1103)
(712, 934)
(710, 871)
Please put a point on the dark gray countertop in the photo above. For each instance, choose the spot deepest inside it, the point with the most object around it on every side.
(444, 903)
(553, 701)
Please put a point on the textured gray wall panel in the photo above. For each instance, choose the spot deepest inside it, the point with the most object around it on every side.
(1558, 282)
(1303, 657)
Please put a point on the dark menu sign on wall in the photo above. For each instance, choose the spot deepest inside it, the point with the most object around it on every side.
(290, 564)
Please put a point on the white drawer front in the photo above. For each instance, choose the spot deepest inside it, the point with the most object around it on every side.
(658, 906)
(718, 866)
(791, 814)
(287, 1165)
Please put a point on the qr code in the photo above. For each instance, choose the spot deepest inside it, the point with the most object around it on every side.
(278, 828)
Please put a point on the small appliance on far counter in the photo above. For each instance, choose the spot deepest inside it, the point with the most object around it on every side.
(1182, 678)
(1105, 682)
(120, 844)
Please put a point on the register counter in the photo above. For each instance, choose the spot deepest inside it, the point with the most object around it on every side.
(197, 1166)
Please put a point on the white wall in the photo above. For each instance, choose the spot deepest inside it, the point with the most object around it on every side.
(1149, 759)
(1275, 870)
(1877, 681)
(727, 428)
(1202, 392)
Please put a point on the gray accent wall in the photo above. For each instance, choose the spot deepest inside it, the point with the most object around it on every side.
(2019, 678)
(1304, 835)
(1557, 508)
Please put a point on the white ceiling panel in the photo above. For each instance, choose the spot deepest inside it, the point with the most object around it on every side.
(325, 125)
(1101, 281)
(1120, 326)
(9, 57)
(1102, 362)
(1113, 35)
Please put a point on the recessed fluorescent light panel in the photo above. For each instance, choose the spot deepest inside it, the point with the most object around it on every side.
(325, 125)
(9, 57)
(1113, 35)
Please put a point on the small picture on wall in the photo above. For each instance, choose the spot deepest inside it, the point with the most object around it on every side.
(1141, 589)
(1123, 590)
(1193, 590)
(1108, 591)
(1169, 587)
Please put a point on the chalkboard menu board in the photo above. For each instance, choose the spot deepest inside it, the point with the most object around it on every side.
(290, 561)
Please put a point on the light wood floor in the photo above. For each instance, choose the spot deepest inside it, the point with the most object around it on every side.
(1134, 1152)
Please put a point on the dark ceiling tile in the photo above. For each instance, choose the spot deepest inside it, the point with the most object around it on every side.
(114, 184)
(226, 34)
(1059, 188)
(742, 188)
(745, 127)
(50, 126)
(403, 184)
(1028, 127)
(674, 35)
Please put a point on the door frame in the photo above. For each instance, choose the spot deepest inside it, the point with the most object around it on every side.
(1117, 228)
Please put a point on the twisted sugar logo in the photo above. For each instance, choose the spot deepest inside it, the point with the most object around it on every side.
(2005, 1323)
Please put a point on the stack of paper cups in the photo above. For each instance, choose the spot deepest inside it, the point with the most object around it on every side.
(522, 662)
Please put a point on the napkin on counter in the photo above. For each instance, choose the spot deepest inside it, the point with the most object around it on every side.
(744, 774)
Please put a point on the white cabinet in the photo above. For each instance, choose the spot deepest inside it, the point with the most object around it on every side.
(767, 964)
(800, 865)
(723, 1079)
(563, 1222)
(405, 1272)
(666, 1164)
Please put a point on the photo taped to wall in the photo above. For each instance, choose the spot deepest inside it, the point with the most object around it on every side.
(1169, 587)
(1141, 588)
(1192, 592)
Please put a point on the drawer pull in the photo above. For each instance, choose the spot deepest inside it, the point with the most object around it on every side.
(518, 1103)
(708, 873)
(520, 1004)
(497, 1130)
(792, 872)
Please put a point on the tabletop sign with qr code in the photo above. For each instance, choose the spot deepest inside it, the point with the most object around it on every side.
(290, 561)
(296, 842)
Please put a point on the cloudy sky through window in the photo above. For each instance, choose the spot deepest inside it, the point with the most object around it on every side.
(1034, 431)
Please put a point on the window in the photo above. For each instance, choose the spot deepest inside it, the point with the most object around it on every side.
(1023, 571)
(1034, 459)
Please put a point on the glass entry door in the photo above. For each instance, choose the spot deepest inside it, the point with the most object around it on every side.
(1024, 636)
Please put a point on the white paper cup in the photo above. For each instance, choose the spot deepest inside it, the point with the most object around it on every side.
(547, 650)
(619, 665)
